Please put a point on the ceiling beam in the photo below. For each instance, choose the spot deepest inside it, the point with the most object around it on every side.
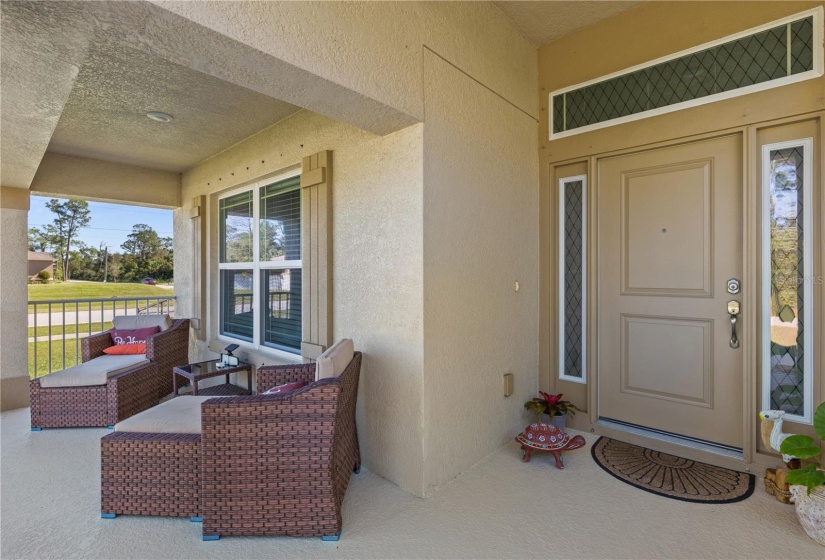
(107, 181)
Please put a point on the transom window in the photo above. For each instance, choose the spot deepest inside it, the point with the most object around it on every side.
(260, 264)
(776, 54)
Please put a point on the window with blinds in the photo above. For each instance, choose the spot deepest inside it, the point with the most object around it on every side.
(260, 264)
(280, 239)
(779, 53)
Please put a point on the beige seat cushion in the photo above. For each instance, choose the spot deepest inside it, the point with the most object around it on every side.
(180, 415)
(93, 372)
(130, 322)
(335, 360)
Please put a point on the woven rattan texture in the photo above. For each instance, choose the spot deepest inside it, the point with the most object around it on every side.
(280, 464)
(124, 395)
(263, 465)
(272, 376)
(150, 474)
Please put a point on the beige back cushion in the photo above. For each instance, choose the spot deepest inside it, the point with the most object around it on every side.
(130, 322)
(335, 360)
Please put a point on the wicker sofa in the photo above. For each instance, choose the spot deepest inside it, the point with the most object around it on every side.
(251, 465)
(120, 393)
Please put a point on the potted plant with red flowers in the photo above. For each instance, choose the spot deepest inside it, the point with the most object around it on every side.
(554, 407)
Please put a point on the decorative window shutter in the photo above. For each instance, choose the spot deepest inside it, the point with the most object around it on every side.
(316, 253)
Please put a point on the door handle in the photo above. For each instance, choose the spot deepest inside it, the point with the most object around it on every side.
(733, 311)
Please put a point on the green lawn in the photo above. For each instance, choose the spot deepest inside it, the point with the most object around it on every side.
(70, 329)
(72, 357)
(91, 290)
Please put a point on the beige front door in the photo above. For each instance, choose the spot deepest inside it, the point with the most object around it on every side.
(669, 238)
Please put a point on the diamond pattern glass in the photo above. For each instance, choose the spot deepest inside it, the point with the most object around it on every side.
(757, 58)
(573, 288)
(787, 281)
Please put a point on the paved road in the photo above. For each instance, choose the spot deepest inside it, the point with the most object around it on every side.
(72, 317)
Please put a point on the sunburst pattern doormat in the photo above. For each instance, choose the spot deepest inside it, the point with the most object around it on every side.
(671, 476)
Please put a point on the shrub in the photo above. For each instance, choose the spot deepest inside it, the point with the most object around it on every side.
(44, 275)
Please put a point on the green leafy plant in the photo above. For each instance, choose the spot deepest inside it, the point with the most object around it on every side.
(552, 405)
(804, 447)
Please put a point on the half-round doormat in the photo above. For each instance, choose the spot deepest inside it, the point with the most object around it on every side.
(671, 476)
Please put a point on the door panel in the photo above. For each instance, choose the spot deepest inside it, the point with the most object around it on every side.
(674, 259)
(670, 236)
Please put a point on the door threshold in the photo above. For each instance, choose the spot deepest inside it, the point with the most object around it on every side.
(698, 444)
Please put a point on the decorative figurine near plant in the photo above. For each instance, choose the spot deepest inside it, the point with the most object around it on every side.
(808, 483)
(554, 407)
(546, 437)
(776, 483)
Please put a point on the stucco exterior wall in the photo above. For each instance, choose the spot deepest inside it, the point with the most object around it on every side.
(432, 306)
(480, 225)
(14, 378)
(377, 256)
(376, 48)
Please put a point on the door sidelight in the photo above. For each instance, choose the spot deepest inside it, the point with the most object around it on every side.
(733, 311)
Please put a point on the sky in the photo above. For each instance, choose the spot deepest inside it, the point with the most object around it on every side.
(110, 223)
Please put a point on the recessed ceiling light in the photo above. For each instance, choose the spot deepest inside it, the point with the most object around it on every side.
(158, 116)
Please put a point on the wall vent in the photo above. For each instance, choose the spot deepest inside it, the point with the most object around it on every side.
(779, 53)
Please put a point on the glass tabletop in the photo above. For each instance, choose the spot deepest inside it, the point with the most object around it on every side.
(209, 367)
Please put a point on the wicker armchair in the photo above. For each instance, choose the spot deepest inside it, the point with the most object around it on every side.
(299, 487)
(123, 395)
(262, 465)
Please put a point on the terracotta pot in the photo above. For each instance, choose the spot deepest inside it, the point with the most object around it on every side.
(810, 509)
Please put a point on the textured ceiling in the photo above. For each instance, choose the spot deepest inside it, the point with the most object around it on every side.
(545, 21)
(105, 115)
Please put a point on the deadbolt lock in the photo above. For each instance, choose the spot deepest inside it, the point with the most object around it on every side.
(734, 286)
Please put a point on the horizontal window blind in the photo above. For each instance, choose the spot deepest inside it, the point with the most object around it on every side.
(280, 225)
(281, 293)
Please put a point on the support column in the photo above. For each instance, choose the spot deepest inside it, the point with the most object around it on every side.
(14, 332)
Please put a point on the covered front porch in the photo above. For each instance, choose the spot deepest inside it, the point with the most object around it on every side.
(391, 173)
(500, 508)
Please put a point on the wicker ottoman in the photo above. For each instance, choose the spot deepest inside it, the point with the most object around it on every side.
(151, 464)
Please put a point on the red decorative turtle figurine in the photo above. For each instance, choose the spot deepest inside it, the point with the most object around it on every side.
(546, 437)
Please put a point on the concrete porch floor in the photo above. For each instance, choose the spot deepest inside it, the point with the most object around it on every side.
(501, 508)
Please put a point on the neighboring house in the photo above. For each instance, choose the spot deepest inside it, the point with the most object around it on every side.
(38, 262)
(466, 189)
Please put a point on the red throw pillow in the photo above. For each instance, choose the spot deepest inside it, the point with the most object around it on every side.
(133, 336)
(120, 349)
(285, 388)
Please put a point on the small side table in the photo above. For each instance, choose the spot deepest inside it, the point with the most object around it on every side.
(204, 370)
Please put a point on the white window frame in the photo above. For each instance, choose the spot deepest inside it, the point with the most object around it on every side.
(256, 266)
(817, 71)
(807, 283)
(563, 182)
